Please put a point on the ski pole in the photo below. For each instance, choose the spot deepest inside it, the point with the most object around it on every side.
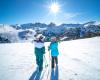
(49, 56)
(46, 64)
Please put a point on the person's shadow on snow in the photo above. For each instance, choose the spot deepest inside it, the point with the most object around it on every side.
(36, 75)
(55, 74)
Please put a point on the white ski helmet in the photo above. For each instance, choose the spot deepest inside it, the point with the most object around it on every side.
(53, 38)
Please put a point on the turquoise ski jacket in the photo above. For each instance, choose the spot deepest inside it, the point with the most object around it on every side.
(54, 48)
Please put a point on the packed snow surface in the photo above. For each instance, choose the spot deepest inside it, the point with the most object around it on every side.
(78, 60)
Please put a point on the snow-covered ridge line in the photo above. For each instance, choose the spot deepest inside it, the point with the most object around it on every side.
(67, 31)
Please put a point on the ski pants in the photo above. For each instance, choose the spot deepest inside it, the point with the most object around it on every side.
(39, 61)
(39, 52)
(54, 61)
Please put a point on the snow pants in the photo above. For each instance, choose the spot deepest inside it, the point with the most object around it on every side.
(54, 61)
(39, 56)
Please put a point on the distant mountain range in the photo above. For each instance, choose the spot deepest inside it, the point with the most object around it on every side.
(15, 32)
(43, 25)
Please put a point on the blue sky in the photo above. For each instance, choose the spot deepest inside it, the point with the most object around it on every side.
(27, 11)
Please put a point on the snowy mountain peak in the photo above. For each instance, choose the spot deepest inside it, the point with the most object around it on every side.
(96, 23)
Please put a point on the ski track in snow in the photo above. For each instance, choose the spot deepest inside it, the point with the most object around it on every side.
(78, 60)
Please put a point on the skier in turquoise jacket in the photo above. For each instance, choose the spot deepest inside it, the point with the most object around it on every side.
(53, 47)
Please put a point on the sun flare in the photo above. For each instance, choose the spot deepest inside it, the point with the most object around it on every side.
(54, 7)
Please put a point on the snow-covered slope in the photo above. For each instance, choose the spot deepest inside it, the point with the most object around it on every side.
(78, 60)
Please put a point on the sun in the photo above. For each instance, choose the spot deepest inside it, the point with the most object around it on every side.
(54, 7)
